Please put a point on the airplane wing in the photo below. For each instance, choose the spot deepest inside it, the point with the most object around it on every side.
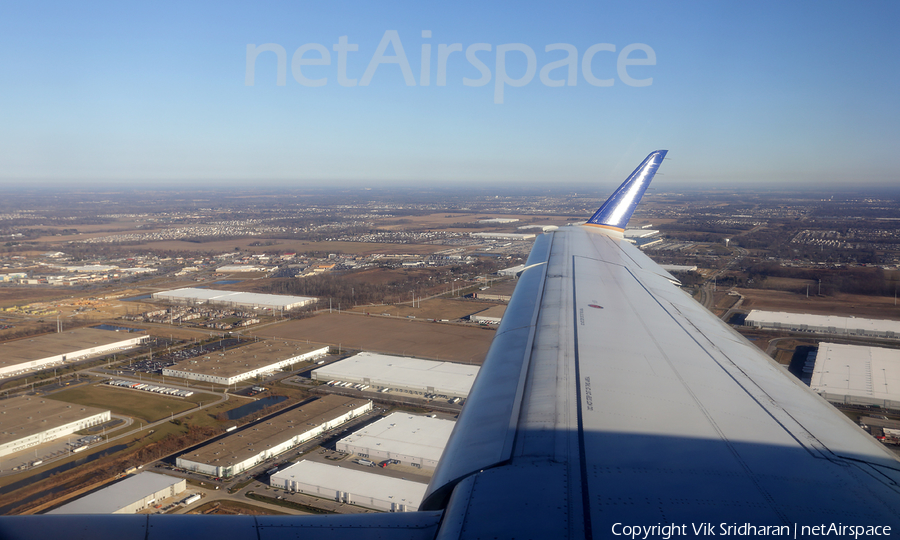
(610, 404)
(611, 399)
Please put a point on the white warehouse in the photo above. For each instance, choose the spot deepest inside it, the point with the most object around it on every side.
(856, 375)
(399, 373)
(131, 495)
(27, 421)
(249, 447)
(39, 352)
(823, 324)
(412, 440)
(193, 296)
(351, 486)
(245, 362)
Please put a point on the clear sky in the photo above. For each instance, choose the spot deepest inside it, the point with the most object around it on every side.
(155, 93)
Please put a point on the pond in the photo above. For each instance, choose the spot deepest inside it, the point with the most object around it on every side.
(116, 328)
(250, 408)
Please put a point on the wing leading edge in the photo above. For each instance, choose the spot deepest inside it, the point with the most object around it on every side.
(608, 397)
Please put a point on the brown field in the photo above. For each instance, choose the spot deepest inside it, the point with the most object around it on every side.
(170, 283)
(789, 284)
(412, 337)
(375, 276)
(435, 308)
(21, 295)
(725, 301)
(873, 307)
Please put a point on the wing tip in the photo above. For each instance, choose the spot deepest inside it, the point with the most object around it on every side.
(617, 210)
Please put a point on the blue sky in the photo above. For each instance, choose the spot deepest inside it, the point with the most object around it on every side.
(762, 93)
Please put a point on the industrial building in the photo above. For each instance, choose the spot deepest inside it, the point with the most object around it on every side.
(855, 375)
(678, 267)
(412, 440)
(40, 352)
(27, 421)
(635, 234)
(249, 447)
(823, 324)
(503, 236)
(498, 220)
(192, 296)
(351, 486)
(131, 495)
(491, 315)
(402, 374)
(511, 271)
(5, 278)
(499, 292)
(233, 268)
(245, 362)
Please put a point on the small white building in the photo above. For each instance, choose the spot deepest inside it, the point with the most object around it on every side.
(412, 440)
(131, 495)
(351, 486)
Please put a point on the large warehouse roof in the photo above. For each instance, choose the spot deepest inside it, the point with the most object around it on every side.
(401, 372)
(274, 301)
(25, 350)
(407, 434)
(823, 323)
(111, 499)
(245, 358)
(360, 485)
(868, 375)
(244, 444)
(24, 416)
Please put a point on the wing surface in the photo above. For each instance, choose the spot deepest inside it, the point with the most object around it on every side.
(397, 526)
(637, 406)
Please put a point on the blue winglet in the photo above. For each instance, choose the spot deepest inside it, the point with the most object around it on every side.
(617, 210)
